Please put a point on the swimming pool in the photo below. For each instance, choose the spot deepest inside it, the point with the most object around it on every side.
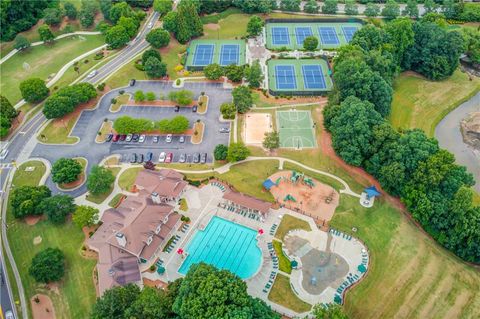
(226, 245)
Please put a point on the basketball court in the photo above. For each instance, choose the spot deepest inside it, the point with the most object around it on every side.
(296, 129)
(256, 125)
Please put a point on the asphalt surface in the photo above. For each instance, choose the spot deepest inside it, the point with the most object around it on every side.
(6, 303)
(90, 122)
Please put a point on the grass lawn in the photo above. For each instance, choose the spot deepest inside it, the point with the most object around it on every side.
(420, 103)
(76, 292)
(282, 294)
(183, 205)
(234, 26)
(43, 61)
(32, 178)
(288, 223)
(57, 132)
(283, 262)
(116, 199)
(127, 178)
(105, 129)
(214, 18)
(121, 100)
(100, 198)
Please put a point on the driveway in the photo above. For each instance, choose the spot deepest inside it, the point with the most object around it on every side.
(90, 121)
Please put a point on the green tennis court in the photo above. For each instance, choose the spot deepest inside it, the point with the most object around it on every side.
(296, 129)
(201, 53)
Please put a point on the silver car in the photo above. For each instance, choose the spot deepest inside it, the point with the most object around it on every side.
(182, 139)
(141, 138)
(161, 158)
(169, 138)
(183, 158)
(128, 138)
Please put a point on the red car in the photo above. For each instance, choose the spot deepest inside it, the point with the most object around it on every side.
(115, 138)
(169, 158)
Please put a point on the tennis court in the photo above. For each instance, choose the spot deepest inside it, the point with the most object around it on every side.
(331, 35)
(296, 129)
(201, 53)
(299, 77)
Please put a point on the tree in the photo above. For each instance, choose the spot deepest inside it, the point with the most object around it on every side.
(188, 22)
(85, 216)
(351, 8)
(242, 98)
(151, 303)
(139, 96)
(150, 96)
(7, 114)
(330, 7)
(105, 7)
(182, 97)
(430, 6)
(120, 9)
(450, 9)
(130, 24)
(163, 6)
(170, 22)
(411, 9)
(70, 10)
(48, 265)
(33, 90)
(213, 71)
(372, 10)
(67, 98)
(271, 140)
(21, 43)
(45, 33)
(116, 37)
(100, 180)
(150, 53)
(254, 26)
(254, 74)
(472, 44)
(310, 43)
(311, 6)
(220, 152)
(237, 152)
(24, 200)
(129, 125)
(290, 5)
(207, 292)
(52, 16)
(57, 208)
(176, 125)
(228, 111)
(115, 302)
(234, 72)
(158, 38)
(391, 9)
(66, 170)
(252, 6)
(87, 13)
(328, 311)
(154, 68)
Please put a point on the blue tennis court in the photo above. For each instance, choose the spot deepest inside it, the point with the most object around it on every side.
(280, 35)
(313, 77)
(203, 54)
(328, 35)
(348, 32)
(229, 54)
(285, 77)
(301, 33)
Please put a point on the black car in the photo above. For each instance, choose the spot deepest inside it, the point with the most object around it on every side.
(194, 108)
(177, 108)
(133, 158)
(140, 158)
(135, 137)
(109, 137)
(148, 157)
(132, 82)
(203, 158)
(196, 158)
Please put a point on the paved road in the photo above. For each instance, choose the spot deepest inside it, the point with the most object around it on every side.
(91, 120)
(6, 304)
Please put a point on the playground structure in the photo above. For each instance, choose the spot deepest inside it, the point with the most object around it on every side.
(303, 194)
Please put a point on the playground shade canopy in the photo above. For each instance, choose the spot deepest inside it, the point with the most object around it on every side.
(372, 191)
(268, 184)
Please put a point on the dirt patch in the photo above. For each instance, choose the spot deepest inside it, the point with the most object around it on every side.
(294, 100)
(42, 307)
(212, 26)
(32, 220)
(198, 127)
(256, 125)
(319, 201)
(155, 283)
(74, 184)
(37, 240)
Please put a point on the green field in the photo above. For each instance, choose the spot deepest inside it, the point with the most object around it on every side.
(420, 103)
(43, 61)
(76, 292)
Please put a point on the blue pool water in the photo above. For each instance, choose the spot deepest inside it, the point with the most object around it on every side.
(226, 245)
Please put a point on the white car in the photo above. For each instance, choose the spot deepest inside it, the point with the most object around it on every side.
(92, 74)
(169, 138)
(128, 138)
(142, 138)
(150, 25)
(9, 315)
(161, 158)
(3, 154)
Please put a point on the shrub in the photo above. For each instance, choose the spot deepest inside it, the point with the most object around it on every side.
(33, 90)
(182, 97)
(66, 170)
(48, 265)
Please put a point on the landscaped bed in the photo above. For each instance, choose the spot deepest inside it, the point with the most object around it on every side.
(284, 263)
(105, 129)
(80, 179)
(100, 198)
(198, 129)
(120, 100)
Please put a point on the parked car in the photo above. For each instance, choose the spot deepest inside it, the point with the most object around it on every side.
(132, 82)
(135, 137)
(162, 156)
(169, 158)
(203, 158)
(129, 138)
(3, 154)
(123, 137)
(155, 139)
(177, 108)
(183, 158)
(168, 139)
(194, 108)
(224, 130)
(109, 137)
(92, 74)
(140, 158)
(133, 158)
(149, 157)
(9, 315)
(182, 139)
(196, 158)
(142, 138)
(115, 138)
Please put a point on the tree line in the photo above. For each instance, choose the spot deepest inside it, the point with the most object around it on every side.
(436, 191)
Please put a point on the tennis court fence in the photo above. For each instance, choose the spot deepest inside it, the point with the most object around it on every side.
(326, 20)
